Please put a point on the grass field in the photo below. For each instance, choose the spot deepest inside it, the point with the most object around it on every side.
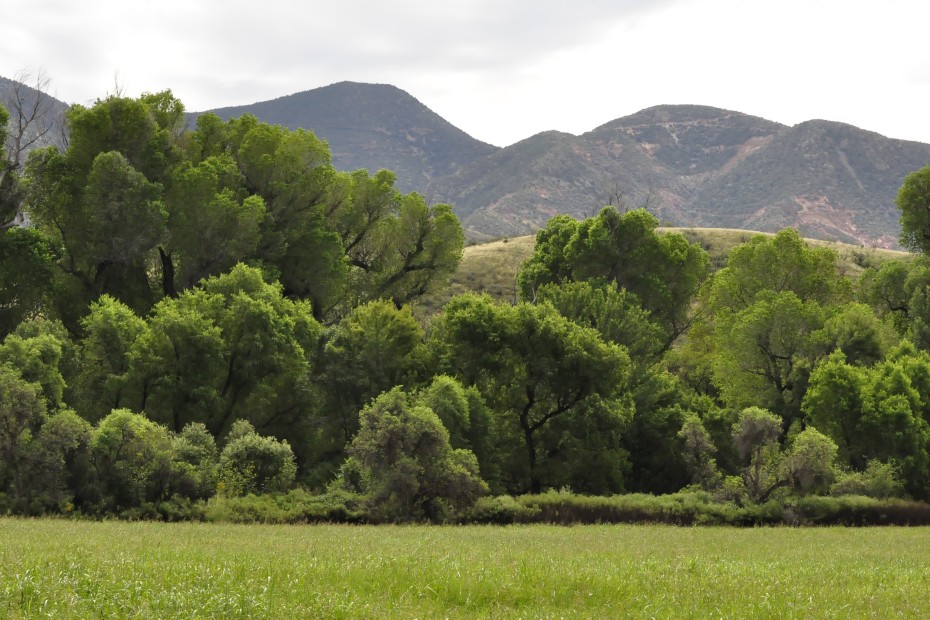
(71, 569)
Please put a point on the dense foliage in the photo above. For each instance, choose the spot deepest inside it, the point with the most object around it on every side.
(218, 314)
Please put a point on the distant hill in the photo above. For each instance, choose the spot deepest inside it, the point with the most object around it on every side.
(492, 267)
(694, 166)
(373, 126)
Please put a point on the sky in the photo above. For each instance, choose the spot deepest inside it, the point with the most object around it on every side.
(501, 70)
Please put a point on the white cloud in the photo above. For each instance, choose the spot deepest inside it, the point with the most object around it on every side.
(500, 69)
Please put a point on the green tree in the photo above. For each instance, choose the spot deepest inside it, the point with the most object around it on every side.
(833, 404)
(27, 272)
(762, 352)
(132, 457)
(532, 365)
(60, 476)
(22, 413)
(464, 413)
(877, 413)
(234, 349)
(374, 348)
(410, 468)
(102, 200)
(778, 264)
(649, 439)
(111, 330)
(755, 435)
(196, 461)
(810, 460)
(855, 330)
(212, 222)
(614, 247)
(38, 360)
(698, 451)
(914, 203)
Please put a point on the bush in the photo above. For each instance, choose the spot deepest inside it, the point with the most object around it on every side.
(695, 507)
(252, 464)
(501, 510)
(879, 480)
(297, 506)
(403, 459)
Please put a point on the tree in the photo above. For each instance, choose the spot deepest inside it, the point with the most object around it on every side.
(809, 461)
(698, 452)
(212, 224)
(614, 312)
(22, 413)
(132, 458)
(234, 349)
(466, 416)
(411, 470)
(914, 203)
(649, 439)
(374, 348)
(111, 331)
(196, 461)
(102, 200)
(878, 413)
(762, 352)
(614, 247)
(898, 291)
(777, 264)
(37, 359)
(833, 404)
(32, 124)
(27, 272)
(857, 332)
(532, 365)
(755, 435)
(60, 475)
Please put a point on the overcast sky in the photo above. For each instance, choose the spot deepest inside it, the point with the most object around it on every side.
(501, 70)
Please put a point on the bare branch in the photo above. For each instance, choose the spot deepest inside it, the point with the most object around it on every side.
(31, 114)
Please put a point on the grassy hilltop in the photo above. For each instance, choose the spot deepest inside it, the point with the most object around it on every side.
(492, 267)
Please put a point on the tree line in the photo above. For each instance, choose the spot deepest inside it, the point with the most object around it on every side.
(216, 312)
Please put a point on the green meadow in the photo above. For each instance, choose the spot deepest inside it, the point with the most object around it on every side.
(77, 569)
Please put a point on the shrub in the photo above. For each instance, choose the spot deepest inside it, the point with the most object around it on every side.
(296, 506)
(879, 480)
(254, 464)
(501, 510)
(406, 464)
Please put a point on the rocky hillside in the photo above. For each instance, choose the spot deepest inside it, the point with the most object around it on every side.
(373, 126)
(695, 166)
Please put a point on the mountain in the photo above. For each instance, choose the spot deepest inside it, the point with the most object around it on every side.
(373, 126)
(694, 166)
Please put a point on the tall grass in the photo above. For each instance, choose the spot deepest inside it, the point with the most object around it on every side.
(76, 569)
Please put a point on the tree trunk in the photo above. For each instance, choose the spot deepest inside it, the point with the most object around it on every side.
(167, 274)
